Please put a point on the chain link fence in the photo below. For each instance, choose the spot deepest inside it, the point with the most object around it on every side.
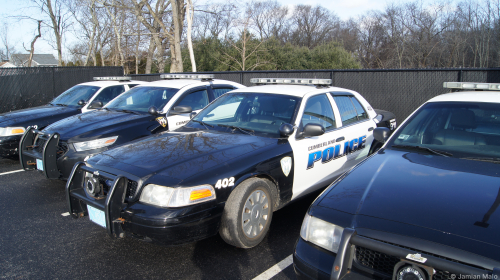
(27, 87)
(400, 91)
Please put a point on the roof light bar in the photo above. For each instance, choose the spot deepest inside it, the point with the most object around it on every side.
(113, 78)
(186, 76)
(291, 81)
(464, 85)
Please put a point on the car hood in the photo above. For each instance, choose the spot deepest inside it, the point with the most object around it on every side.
(451, 197)
(179, 154)
(94, 124)
(41, 116)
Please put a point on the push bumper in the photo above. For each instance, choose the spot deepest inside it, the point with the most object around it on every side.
(312, 262)
(39, 150)
(9, 145)
(124, 216)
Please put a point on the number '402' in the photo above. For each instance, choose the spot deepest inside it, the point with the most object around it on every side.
(224, 183)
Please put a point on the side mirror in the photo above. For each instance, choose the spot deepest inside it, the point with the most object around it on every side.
(95, 105)
(312, 129)
(192, 115)
(81, 102)
(181, 110)
(153, 111)
(286, 129)
(381, 134)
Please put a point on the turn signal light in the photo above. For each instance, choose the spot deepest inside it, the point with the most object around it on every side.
(17, 131)
(199, 194)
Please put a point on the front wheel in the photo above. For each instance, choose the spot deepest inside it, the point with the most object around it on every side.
(247, 214)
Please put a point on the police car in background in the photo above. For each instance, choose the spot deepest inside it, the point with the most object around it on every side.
(83, 97)
(142, 111)
(249, 153)
(423, 207)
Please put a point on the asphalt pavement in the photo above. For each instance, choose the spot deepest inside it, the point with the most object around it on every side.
(39, 240)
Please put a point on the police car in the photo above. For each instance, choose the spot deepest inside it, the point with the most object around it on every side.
(146, 109)
(423, 207)
(246, 155)
(83, 97)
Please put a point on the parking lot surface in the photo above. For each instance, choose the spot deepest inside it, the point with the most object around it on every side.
(39, 240)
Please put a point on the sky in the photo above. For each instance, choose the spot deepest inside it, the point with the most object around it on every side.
(23, 31)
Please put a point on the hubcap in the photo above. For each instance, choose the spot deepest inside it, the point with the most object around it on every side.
(255, 214)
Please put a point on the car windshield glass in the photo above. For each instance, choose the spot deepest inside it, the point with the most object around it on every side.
(458, 129)
(141, 98)
(249, 113)
(75, 94)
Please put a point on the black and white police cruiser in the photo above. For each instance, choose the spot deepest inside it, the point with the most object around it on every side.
(246, 155)
(81, 98)
(145, 110)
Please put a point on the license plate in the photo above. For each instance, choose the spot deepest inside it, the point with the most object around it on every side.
(39, 164)
(97, 216)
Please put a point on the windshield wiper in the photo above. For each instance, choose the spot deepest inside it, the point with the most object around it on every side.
(245, 130)
(485, 159)
(128, 111)
(436, 152)
(60, 104)
(203, 123)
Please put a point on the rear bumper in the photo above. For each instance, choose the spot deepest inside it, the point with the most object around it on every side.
(125, 216)
(9, 145)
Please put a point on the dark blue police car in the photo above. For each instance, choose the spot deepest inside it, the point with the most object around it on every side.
(247, 154)
(422, 207)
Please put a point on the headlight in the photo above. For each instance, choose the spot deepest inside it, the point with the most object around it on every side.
(321, 233)
(176, 197)
(9, 131)
(94, 144)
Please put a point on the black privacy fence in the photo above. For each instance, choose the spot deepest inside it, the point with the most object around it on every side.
(26, 87)
(397, 90)
(400, 91)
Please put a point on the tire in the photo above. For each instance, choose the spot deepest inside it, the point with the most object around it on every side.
(248, 213)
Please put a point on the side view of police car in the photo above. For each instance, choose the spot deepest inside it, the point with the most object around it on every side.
(246, 155)
(81, 98)
(423, 207)
(146, 109)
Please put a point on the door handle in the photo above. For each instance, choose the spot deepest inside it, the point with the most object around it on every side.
(370, 129)
(342, 138)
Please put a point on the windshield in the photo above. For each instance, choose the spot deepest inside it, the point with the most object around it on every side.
(252, 113)
(75, 94)
(459, 129)
(141, 98)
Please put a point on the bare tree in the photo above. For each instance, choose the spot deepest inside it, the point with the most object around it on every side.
(190, 15)
(312, 25)
(7, 44)
(269, 18)
(32, 49)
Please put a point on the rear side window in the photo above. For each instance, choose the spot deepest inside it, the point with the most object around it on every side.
(350, 109)
(319, 111)
(220, 91)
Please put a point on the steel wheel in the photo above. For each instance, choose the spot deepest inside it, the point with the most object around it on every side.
(255, 215)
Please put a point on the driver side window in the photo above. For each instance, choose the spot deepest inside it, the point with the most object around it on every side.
(109, 93)
(196, 100)
(318, 110)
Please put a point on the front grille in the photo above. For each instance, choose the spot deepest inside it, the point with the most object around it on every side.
(39, 144)
(62, 149)
(106, 185)
(384, 263)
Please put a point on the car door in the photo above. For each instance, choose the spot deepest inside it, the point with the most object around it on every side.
(357, 128)
(196, 98)
(318, 159)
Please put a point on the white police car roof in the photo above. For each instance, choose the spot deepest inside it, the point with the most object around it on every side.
(469, 96)
(294, 90)
(180, 83)
(111, 83)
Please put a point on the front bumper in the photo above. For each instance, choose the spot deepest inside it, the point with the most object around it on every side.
(9, 145)
(57, 157)
(125, 216)
(363, 257)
